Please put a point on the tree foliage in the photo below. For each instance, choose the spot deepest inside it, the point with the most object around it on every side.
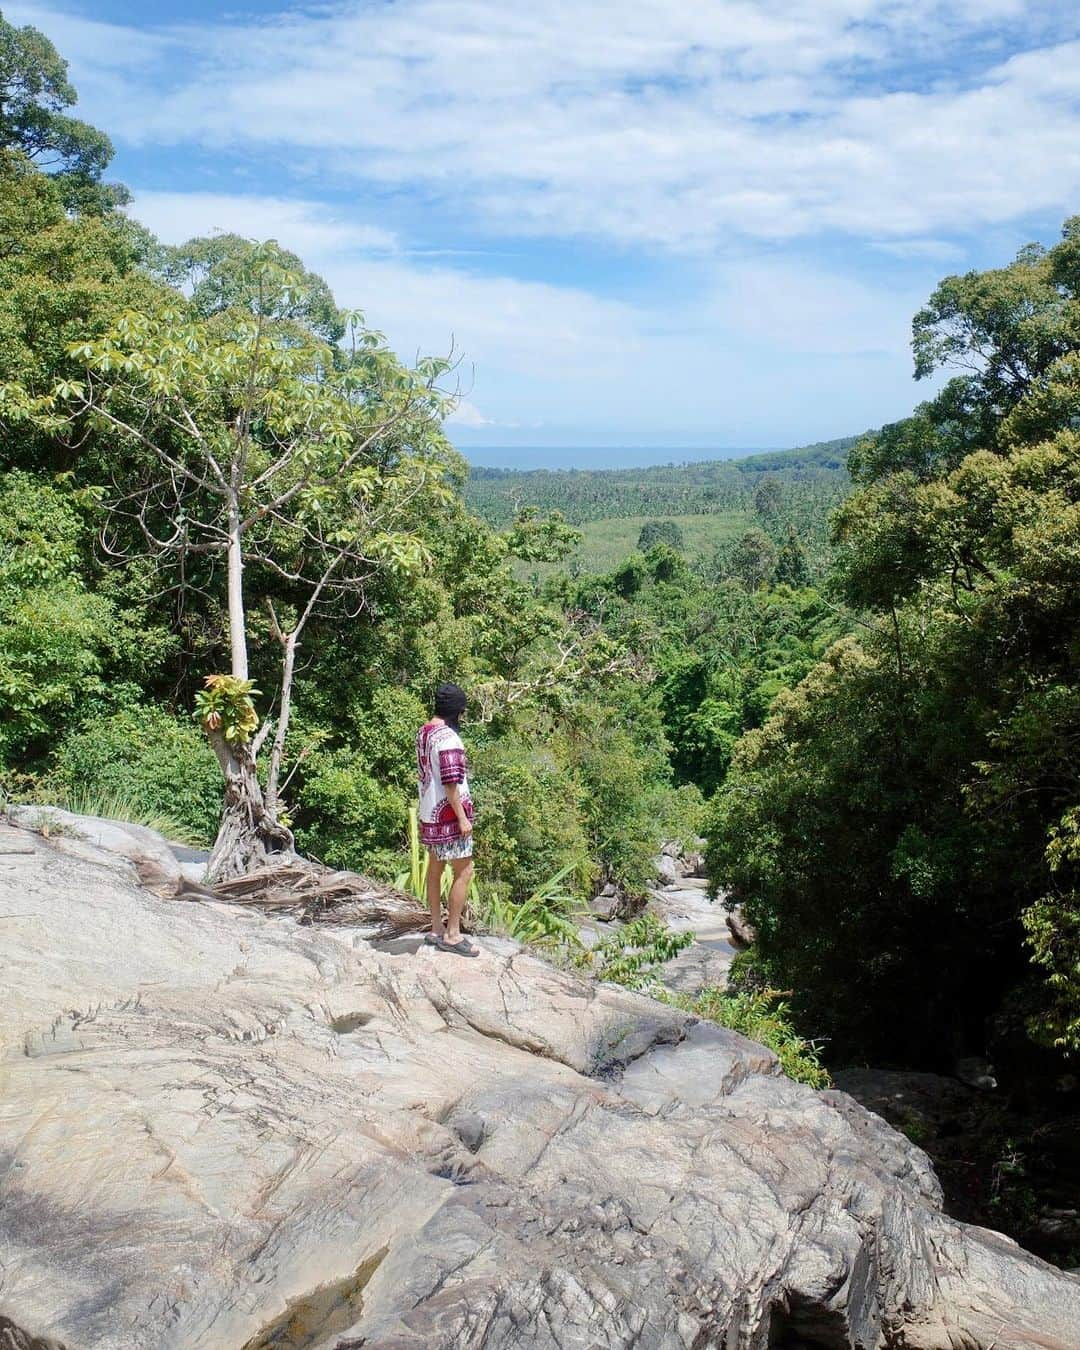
(660, 532)
(35, 94)
(910, 812)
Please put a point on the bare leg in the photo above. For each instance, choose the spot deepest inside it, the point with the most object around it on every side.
(459, 893)
(434, 892)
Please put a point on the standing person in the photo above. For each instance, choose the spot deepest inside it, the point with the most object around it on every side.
(446, 817)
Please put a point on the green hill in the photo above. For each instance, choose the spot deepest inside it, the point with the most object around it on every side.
(706, 488)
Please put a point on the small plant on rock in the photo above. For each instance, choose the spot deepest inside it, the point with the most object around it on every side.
(226, 706)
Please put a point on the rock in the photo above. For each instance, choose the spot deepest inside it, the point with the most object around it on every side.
(696, 968)
(693, 864)
(667, 869)
(605, 905)
(704, 964)
(742, 931)
(927, 1102)
(193, 862)
(152, 860)
(976, 1073)
(220, 1129)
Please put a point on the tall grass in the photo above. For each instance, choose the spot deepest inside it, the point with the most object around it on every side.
(111, 804)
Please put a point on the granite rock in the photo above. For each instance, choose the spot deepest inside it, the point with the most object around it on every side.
(224, 1131)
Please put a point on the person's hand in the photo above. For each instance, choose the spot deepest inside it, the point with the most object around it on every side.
(466, 827)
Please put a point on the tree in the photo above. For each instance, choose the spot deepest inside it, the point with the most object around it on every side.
(660, 532)
(909, 816)
(62, 276)
(791, 568)
(256, 459)
(768, 497)
(52, 631)
(753, 559)
(34, 94)
(215, 271)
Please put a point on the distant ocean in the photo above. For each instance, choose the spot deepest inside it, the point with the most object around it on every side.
(597, 456)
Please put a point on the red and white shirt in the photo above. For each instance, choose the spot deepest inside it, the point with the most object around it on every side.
(440, 760)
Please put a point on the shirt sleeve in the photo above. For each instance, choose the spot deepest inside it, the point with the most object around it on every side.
(452, 762)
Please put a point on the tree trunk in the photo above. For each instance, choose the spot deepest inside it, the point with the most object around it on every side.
(277, 751)
(237, 633)
(249, 835)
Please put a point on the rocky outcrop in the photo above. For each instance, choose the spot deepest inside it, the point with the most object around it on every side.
(685, 907)
(222, 1130)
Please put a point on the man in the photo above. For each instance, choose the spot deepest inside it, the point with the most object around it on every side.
(446, 817)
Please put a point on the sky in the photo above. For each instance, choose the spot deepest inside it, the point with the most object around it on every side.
(686, 224)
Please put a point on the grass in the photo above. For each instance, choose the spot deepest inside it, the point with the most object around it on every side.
(607, 543)
(111, 805)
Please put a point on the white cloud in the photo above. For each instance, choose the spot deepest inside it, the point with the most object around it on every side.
(307, 227)
(467, 414)
(499, 322)
(633, 120)
(734, 133)
(792, 308)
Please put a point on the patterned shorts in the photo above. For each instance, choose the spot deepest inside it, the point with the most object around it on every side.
(456, 848)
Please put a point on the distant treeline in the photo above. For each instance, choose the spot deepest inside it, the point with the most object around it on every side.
(583, 495)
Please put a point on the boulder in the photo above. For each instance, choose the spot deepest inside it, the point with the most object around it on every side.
(667, 869)
(222, 1129)
(742, 931)
(146, 853)
(693, 864)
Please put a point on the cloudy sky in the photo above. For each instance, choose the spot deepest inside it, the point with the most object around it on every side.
(677, 223)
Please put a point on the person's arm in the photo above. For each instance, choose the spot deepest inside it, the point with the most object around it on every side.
(453, 796)
(452, 775)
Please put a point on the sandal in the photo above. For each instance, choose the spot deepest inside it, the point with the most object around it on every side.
(462, 948)
(432, 939)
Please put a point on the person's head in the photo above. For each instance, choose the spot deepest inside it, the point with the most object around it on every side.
(450, 703)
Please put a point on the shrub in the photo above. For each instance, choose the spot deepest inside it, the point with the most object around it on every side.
(529, 818)
(765, 1018)
(634, 952)
(148, 758)
(343, 815)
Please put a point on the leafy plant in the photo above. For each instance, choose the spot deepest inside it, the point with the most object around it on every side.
(545, 918)
(226, 705)
(764, 1017)
(632, 954)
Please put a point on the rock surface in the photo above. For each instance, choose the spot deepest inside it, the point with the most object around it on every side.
(685, 907)
(223, 1131)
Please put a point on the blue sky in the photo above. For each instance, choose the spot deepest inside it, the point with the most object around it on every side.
(694, 225)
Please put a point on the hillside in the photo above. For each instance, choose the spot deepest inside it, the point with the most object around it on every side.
(710, 486)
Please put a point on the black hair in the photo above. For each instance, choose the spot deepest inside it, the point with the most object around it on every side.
(450, 703)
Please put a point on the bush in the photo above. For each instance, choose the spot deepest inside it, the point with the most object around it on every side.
(655, 532)
(765, 1018)
(626, 795)
(345, 817)
(159, 763)
(52, 632)
(529, 818)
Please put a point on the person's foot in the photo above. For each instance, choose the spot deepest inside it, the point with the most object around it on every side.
(433, 939)
(461, 947)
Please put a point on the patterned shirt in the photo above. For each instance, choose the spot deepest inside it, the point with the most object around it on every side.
(440, 760)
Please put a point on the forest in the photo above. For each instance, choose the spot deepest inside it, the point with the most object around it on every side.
(238, 551)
